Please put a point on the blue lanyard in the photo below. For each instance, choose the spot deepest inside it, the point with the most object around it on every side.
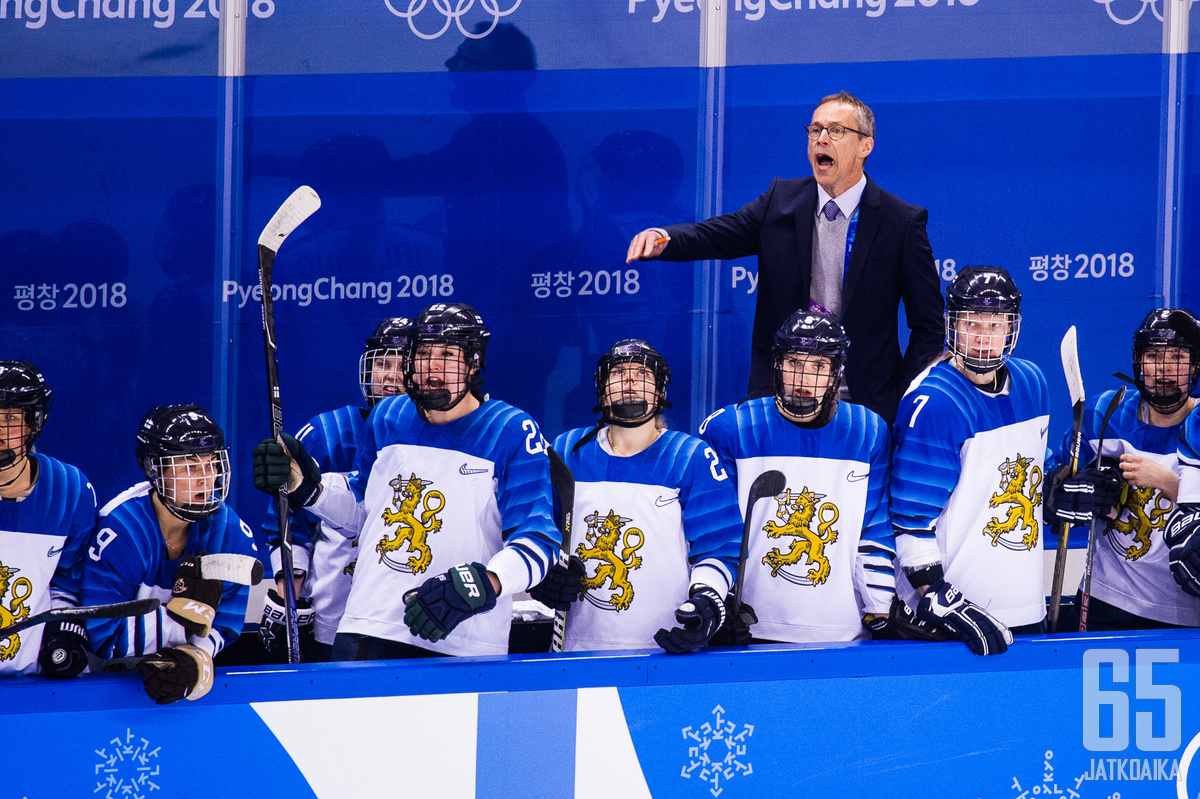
(853, 226)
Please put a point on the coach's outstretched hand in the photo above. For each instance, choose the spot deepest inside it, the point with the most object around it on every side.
(445, 601)
(647, 244)
(982, 632)
(277, 464)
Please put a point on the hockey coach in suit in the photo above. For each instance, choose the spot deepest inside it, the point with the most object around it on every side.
(834, 242)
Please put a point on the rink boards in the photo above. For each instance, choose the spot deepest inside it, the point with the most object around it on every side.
(1091, 716)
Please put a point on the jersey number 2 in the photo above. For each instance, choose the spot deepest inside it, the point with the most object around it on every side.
(718, 472)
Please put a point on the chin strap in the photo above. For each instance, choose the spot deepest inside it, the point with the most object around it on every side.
(20, 474)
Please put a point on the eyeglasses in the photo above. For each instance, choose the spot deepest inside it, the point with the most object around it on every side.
(836, 132)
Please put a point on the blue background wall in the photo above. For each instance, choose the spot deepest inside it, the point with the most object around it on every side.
(135, 181)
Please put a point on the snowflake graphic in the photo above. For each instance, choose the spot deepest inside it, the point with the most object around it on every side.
(715, 753)
(125, 770)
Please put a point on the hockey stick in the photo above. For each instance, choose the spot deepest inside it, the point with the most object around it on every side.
(231, 568)
(117, 610)
(1070, 360)
(564, 483)
(768, 484)
(1091, 549)
(294, 210)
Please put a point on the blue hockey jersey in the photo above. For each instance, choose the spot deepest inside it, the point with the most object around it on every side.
(647, 527)
(821, 553)
(128, 560)
(424, 498)
(968, 477)
(42, 541)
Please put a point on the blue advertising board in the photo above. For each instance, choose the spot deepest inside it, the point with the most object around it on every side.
(1078, 717)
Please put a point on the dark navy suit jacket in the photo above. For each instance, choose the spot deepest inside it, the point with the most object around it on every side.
(890, 261)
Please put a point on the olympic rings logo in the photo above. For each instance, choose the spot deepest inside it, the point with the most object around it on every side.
(1151, 4)
(454, 14)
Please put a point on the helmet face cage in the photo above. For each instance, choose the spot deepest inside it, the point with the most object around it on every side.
(182, 452)
(192, 487)
(806, 368)
(445, 356)
(983, 318)
(1165, 367)
(381, 366)
(976, 343)
(381, 373)
(809, 356)
(24, 405)
(631, 383)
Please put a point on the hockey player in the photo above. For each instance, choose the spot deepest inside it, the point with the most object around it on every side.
(446, 482)
(820, 554)
(657, 501)
(1131, 587)
(148, 544)
(968, 473)
(47, 512)
(324, 561)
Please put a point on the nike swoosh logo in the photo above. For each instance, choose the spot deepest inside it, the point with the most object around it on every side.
(464, 470)
(1044, 429)
(854, 477)
(663, 502)
(52, 551)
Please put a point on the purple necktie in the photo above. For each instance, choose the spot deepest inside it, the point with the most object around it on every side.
(831, 210)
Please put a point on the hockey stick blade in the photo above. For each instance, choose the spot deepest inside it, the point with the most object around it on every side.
(1086, 593)
(1069, 351)
(231, 568)
(564, 483)
(295, 209)
(770, 483)
(1185, 325)
(117, 610)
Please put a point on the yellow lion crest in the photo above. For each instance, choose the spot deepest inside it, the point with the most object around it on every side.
(797, 512)
(603, 535)
(15, 612)
(1014, 474)
(1137, 522)
(410, 528)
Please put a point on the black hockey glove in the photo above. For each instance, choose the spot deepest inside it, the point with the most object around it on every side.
(194, 600)
(1090, 494)
(562, 586)
(273, 467)
(902, 624)
(177, 672)
(64, 649)
(1184, 555)
(701, 616)
(736, 629)
(443, 602)
(945, 605)
(272, 630)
